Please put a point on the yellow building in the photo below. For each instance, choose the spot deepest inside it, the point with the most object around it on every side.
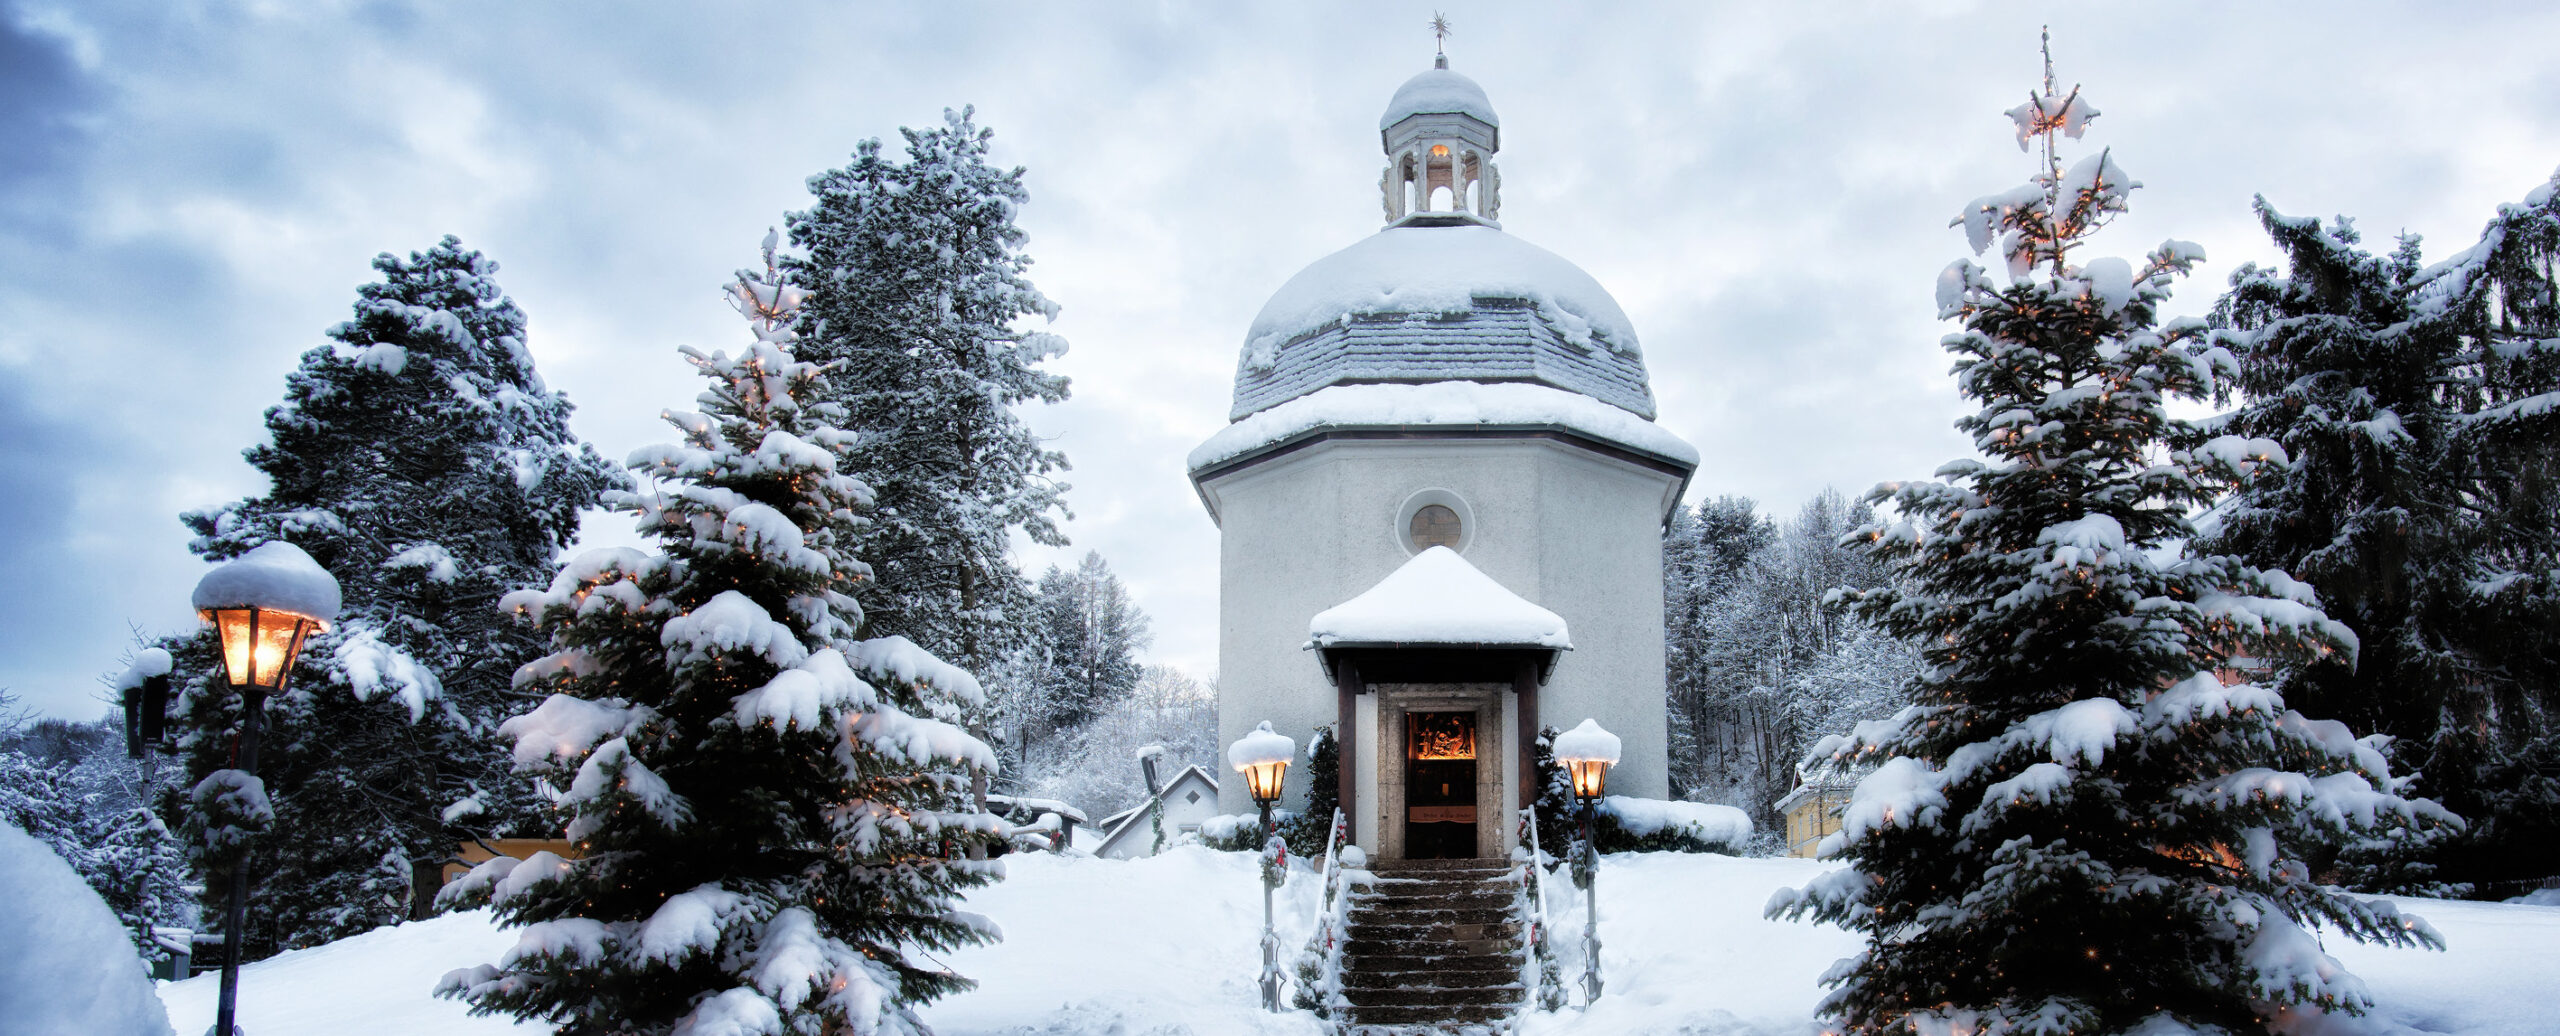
(1813, 808)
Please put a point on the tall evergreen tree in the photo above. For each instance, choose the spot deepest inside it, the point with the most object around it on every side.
(2419, 503)
(770, 814)
(1091, 633)
(420, 459)
(915, 273)
(2078, 828)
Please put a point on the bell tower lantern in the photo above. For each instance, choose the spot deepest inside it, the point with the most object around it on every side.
(1440, 134)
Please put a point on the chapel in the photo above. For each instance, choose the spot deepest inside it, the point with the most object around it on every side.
(1440, 502)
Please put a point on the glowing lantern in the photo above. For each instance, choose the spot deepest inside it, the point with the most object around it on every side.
(264, 604)
(1263, 757)
(1587, 752)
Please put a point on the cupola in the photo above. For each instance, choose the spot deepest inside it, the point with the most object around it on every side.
(1440, 134)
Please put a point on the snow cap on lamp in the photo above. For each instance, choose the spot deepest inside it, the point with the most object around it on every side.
(1262, 747)
(276, 576)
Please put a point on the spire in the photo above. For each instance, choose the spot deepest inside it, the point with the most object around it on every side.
(1440, 33)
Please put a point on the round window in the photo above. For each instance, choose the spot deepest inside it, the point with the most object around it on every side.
(1435, 525)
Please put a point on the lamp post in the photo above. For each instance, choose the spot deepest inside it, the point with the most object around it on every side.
(263, 605)
(1587, 752)
(1263, 757)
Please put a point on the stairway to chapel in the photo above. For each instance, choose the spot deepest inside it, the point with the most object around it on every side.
(1432, 946)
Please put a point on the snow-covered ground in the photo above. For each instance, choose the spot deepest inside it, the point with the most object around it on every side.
(1165, 947)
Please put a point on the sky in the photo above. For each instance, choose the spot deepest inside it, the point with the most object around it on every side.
(191, 191)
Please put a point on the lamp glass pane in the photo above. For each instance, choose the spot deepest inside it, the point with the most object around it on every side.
(272, 651)
(235, 627)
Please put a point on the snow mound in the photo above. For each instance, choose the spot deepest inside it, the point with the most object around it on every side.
(1437, 598)
(1438, 91)
(274, 575)
(1704, 822)
(1447, 404)
(1441, 270)
(66, 964)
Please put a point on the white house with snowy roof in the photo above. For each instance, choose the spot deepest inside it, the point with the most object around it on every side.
(1440, 504)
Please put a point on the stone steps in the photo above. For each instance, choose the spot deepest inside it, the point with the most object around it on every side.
(1431, 946)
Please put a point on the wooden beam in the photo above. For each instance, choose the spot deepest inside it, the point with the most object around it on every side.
(1524, 686)
(1346, 732)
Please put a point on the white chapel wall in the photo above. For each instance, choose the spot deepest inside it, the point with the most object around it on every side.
(1574, 532)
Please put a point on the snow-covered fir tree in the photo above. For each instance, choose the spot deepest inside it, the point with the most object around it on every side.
(2079, 828)
(1082, 656)
(915, 273)
(1705, 550)
(421, 460)
(2413, 404)
(772, 818)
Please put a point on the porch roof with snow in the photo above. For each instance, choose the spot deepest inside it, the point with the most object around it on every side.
(1438, 601)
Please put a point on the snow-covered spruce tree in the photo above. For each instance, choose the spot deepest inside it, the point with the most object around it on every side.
(915, 279)
(422, 461)
(2414, 403)
(2078, 828)
(2339, 365)
(2505, 291)
(771, 816)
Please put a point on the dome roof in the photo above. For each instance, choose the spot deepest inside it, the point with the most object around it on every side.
(1438, 91)
(1441, 303)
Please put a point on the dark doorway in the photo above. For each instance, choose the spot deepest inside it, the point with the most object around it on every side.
(1440, 785)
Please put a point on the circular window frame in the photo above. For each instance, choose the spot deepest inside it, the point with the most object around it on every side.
(1402, 528)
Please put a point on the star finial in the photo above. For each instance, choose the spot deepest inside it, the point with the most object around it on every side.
(1440, 33)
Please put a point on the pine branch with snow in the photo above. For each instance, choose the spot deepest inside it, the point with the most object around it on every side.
(772, 819)
(2078, 827)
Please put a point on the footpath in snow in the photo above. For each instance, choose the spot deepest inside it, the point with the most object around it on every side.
(1165, 947)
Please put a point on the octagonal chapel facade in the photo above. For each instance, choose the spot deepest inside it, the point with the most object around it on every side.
(1440, 506)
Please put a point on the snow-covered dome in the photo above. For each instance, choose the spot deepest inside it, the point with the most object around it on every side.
(1438, 91)
(1423, 303)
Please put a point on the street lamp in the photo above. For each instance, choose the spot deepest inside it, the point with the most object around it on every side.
(1587, 752)
(1263, 756)
(263, 605)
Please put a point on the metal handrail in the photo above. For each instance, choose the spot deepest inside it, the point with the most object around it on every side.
(1324, 896)
(1324, 940)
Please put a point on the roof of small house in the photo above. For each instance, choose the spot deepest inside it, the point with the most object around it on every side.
(1127, 820)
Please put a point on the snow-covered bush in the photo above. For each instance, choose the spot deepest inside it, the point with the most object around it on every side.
(1242, 832)
(1625, 824)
